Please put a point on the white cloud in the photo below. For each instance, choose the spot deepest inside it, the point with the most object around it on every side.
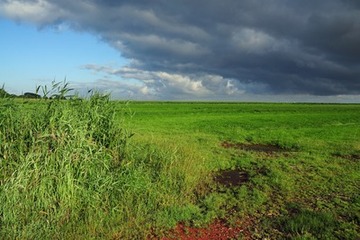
(157, 85)
(181, 83)
(38, 12)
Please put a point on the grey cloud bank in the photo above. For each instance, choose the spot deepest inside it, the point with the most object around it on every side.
(210, 49)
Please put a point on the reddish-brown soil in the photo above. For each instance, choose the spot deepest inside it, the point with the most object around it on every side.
(218, 230)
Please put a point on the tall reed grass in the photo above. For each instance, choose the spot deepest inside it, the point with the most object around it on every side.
(67, 171)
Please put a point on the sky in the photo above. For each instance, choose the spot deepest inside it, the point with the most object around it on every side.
(228, 50)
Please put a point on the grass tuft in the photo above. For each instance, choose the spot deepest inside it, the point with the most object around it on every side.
(66, 171)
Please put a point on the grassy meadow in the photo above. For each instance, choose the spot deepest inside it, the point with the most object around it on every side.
(306, 186)
(99, 169)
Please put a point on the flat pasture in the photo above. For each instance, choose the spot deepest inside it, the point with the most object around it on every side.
(293, 169)
(100, 169)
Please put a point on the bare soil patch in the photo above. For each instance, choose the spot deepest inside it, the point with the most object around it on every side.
(351, 157)
(219, 230)
(265, 148)
(232, 178)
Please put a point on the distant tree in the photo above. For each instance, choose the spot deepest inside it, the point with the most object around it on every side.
(31, 95)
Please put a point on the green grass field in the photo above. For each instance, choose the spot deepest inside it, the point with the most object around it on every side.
(100, 169)
(308, 186)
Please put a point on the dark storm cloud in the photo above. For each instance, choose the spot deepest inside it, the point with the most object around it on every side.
(290, 47)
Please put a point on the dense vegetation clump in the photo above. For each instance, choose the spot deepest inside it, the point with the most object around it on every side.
(65, 171)
(57, 164)
(3, 93)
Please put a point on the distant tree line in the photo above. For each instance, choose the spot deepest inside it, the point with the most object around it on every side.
(4, 94)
